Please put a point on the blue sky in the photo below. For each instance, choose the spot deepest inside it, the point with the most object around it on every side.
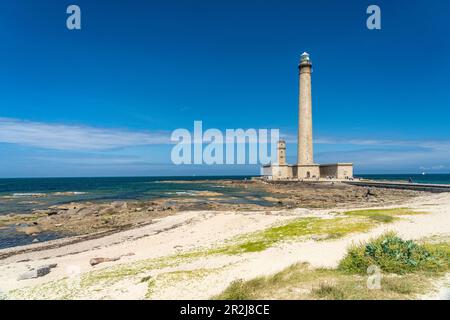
(103, 100)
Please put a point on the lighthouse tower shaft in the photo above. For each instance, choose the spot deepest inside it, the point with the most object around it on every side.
(305, 142)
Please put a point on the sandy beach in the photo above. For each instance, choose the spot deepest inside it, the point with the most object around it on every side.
(176, 256)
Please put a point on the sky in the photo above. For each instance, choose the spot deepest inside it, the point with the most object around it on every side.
(103, 100)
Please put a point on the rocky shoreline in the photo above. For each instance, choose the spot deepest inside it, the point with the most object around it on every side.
(85, 218)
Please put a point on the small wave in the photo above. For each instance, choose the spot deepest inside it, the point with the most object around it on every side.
(196, 193)
(29, 194)
(69, 193)
(39, 194)
(183, 193)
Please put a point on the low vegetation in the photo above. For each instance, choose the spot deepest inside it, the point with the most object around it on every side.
(294, 230)
(407, 269)
(355, 221)
(304, 227)
(301, 282)
(394, 255)
(166, 279)
(382, 215)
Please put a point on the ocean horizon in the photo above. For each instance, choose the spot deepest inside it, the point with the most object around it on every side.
(215, 176)
(21, 195)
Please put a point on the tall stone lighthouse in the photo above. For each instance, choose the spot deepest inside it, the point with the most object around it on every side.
(305, 168)
(305, 158)
(304, 145)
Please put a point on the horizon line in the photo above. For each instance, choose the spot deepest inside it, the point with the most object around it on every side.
(198, 176)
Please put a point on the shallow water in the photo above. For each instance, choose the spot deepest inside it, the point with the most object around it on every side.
(23, 195)
(9, 237)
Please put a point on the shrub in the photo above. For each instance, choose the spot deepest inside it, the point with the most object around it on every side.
(395, 255)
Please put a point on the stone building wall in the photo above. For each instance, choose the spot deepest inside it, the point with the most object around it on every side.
(278, 172)
(336, 170)
(308, 171)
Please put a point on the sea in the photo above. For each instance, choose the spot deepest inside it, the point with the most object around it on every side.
(22, 195)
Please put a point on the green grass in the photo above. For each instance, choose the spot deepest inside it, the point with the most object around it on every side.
(328, 291)
(300, 282)
(120, 272)
(354, 287)
(98, 279)
(237, 290)
(166, 279)
(281, 285)
(394, 255)
(407, 268)
(293, 230)
(262, 240)
(252, 242)
(382, 215)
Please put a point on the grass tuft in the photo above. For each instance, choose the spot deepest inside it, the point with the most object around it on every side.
(329, 292)
(237, 290)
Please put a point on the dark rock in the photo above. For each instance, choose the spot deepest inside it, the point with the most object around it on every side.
(37, 273)
(128, 254)
(95, 261)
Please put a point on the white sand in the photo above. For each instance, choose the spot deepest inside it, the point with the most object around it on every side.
(187, 231)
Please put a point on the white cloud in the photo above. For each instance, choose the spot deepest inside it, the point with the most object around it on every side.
(397, 155)
(364, 152)
(72, 137)
(436, 145)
